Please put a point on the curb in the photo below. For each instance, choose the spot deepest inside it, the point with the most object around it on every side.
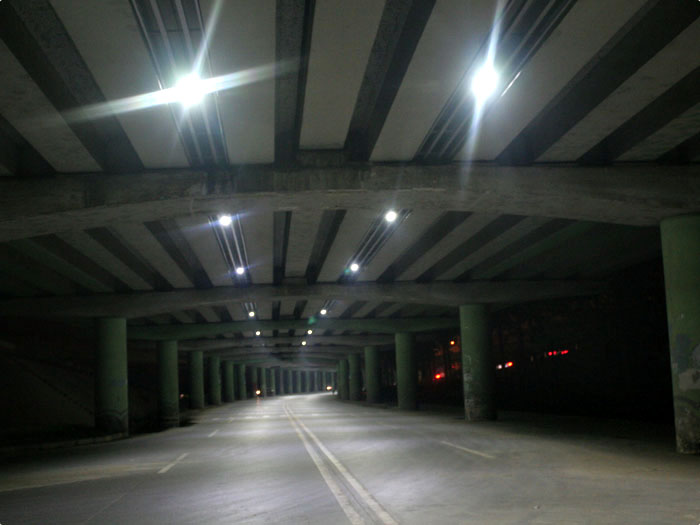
(19, 450)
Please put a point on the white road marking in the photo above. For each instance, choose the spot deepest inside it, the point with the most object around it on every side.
(213, 433)
(471, 451)
(341, 498)
(171, 465)
(373, 504)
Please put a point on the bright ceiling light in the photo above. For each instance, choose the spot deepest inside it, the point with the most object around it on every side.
(324, 311)
(354, 267)
(309, 331)
(225, 220)
(240, 270)
(303, 343)
(257, 332)
(251, 314)
(484, 82)
(390, 216)
(189, 90)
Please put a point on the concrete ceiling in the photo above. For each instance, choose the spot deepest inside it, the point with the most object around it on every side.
(340, 112)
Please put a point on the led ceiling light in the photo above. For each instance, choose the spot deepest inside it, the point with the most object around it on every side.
(189, 90)
(390, 216)
(323, 311)
(251, 314)
(484, 82)
(354, 267)
(225, 220)
(303, 343)
(309, 331)
(240, 270)
(257, 332)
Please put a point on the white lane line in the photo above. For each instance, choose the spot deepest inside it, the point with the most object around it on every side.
(171, 465)
(213, 433)
(341, 498)
(471, 451)
(373, 504)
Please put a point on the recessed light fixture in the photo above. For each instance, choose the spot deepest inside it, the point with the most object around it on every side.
(484, 82)
(240, 270)
(225, 220)
(323, 311)
(189, 90)
(251, 314)
(303, 343)
(257, 332)
(354, 267)
(390, 216)
(309, 331)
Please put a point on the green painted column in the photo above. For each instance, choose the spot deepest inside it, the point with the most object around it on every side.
(273, 382)
(214, 380)
(241, 383)
(263, 381)
(319, 381)
(196, 379)
(478, 375)
(168, 388)
(111, 376)
(343, 389)
(680, 243)
(229, 387)
(354, 377)
(406, 372)
(287, 380)
(372, 374)
(295, 381)
(312, 381)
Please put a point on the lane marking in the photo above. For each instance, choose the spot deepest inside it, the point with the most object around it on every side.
(373, 504)
(171, 465)
(471, 451)
(213, 433)
(340, 496)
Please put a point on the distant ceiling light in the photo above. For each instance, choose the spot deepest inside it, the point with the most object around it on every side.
(391, 216)
(323, 311)
(309, 331)
(251, 314)
(225, 220)
(484, 82)
(452, 343)
(354, 267)
(257, 332)
(240, 270)
(303, 343)
(189, 90)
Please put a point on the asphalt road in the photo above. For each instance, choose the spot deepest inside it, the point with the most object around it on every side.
(312, 459)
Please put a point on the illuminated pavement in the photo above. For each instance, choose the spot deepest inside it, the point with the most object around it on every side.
(312, 459)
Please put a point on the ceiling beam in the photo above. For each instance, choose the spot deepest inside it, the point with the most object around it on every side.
(269, 342)
(300, 351)
(629, 194)
(381, 326)
(145, 304)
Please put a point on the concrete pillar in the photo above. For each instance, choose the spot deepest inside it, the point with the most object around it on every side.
(372, 374)
(478, 375)
(295, 381)
(680, 243)
(287, 380)
(354, 377)
(168, 388)
(241, 383)
(406, 373)
(228, 388)
(319, 381)
(312, 381)
(343, 390)
(273, 382)
(214, 380)
(263, 381)
(111, 378)
(196, 379)
(304, 382)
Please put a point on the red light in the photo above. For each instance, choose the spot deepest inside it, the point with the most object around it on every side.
(452, 343)
(509, 364)
(439, 375)
(564, 352)
(549, 354)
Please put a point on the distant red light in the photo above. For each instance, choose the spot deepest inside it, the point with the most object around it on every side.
(549, 354)
(564, 352)
(509, 364)
(452, 343)
(439, 376)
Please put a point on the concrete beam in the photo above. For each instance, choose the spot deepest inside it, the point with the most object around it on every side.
(639, 195)
(145, 304)
(293, 350)
(382, 326)
(270, 342)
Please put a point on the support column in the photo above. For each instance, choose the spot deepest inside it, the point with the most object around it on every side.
(214, 380)
(343, 390)
(228, 390)
(406, 373)
(263, 381)
(319, 381)
(273, 382)
(354, 377)
(372, 375)
(295, 381)
(287, 380)
(196, 379)
(312, 381)
(241, 383)
(680, 243)
(478, 378)
(168, 389)
(111, 377)
(304, 384)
